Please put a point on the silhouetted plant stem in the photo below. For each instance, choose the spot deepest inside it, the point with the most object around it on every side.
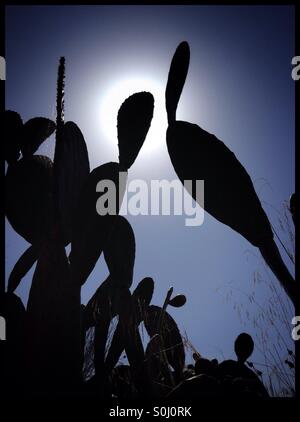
(160, 325)
(165, 305)
(60, 94)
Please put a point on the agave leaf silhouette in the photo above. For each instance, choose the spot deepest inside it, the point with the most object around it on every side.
(176, 79)
(134, 120)
(28, 185)
(36, 131)
(13, 134)
(91, 230)
(71, 170)
(21, 268)
(230, 196)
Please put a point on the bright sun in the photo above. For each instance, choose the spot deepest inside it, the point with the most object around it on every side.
(117, 93)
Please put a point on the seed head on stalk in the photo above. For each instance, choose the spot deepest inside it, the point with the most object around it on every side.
(60, 100)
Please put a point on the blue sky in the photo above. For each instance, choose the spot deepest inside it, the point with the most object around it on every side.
(239, 87)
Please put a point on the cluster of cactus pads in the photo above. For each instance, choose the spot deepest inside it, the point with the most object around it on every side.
(52, 204)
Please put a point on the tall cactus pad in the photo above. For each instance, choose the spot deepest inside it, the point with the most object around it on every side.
(170, 334)
(53, 331)
(119, 252)
(229, 193)
(25, 138)
(36, 131)
(229, 196)
(176, 79)
(101, 305)
(90, 229)
(134, 120)
(71, 170)
(141, 299)
(29, 197)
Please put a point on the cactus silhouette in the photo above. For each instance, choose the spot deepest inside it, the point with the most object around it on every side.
(134, 119)
(243, 347)
(29, 197)
(71, 170)
(168, 331)
(235, 376)
(141, 296)
(55, 205)
(52, 204)
(113, 298)
(91, 230)
(37, 214)
(30, 176)
(119, 254)
(229, 193)
(24, 137)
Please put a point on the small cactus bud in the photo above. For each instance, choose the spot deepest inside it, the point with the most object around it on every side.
(177, 301)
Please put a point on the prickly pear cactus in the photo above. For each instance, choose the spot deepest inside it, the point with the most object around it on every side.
(119, 252)
(134, 120)
(29, 197)
(71, 171)
(199, 155)
(170, 335)
(91, 230)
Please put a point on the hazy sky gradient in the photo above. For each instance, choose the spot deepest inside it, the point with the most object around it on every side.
(239, 87)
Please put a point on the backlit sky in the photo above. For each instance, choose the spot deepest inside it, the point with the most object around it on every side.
(238, 87)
